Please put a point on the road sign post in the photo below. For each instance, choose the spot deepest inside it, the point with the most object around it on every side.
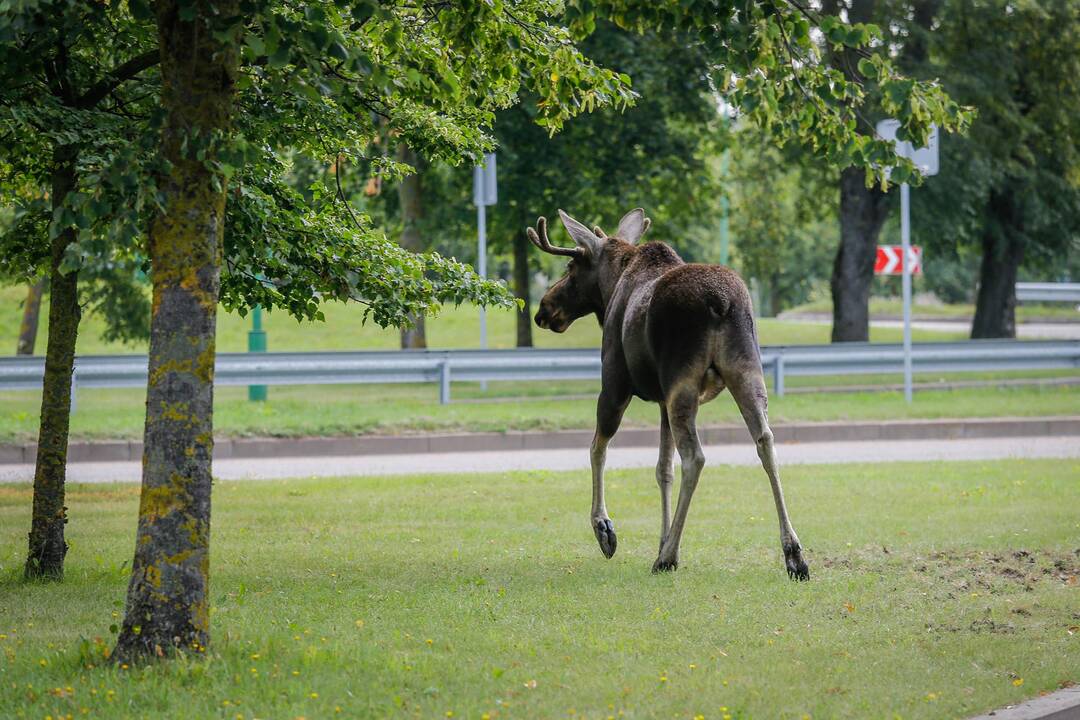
(485, 192)
(926, 160)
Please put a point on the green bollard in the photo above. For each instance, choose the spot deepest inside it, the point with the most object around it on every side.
(257, 343)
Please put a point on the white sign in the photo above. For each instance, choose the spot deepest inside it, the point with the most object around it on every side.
(924, 158)
(485, 190)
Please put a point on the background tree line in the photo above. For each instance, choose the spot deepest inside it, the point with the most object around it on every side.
(1006, 203)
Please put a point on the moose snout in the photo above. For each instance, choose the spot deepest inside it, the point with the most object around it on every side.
(542, 318)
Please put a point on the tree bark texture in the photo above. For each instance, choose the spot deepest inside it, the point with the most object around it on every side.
(167, 601)
(47, 546)
(410, 197)
(522, 288)
(28, 329)
(862, 213)
(1003, 251)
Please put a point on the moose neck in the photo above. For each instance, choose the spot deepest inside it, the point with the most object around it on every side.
(644, 262)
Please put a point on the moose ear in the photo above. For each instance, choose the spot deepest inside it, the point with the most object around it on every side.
(582, 235)
(633, 225)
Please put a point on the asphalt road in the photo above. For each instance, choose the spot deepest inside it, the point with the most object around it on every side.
(578, 459)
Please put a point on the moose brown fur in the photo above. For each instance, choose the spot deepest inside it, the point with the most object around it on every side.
(673, 333)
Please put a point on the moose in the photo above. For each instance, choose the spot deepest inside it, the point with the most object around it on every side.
(674, 333)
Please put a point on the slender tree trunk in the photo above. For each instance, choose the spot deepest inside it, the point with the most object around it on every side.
(862, 213)
(31, 313)
(47, 545)
(776, 301)
(167, 602)
(521, 289)
(410, 197)
(1003, 251)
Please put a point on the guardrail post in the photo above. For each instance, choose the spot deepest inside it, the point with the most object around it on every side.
(444, 382)
(778, 376)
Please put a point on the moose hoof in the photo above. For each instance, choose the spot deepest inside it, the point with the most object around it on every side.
(605, 535)
(663, 565)
(797, 569)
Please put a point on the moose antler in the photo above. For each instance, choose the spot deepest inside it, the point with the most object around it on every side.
(540, 240)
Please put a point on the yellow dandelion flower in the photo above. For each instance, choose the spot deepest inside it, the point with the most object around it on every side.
(314, 696)
(1018, 682)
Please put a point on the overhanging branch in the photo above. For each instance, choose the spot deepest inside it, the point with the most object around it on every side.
(119, 75)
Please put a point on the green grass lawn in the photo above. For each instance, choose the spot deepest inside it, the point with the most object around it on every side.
(938, 591)
(893, 307)
(385, 409)
(344, 330)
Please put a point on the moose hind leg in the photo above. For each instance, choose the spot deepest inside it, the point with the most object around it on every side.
(749, 393)
(682, 410)
(608, 418)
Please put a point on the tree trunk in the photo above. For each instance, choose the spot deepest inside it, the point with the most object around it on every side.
(776, 300)
(47, 545)
(167, 602)
(1003, 251)
(31, 313)
(522, 288)
(862, 213)
(410, 197)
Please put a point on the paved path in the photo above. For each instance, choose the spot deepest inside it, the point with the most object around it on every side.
(578, 459)
(1060, 705)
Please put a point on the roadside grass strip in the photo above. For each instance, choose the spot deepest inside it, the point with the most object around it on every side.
(937, 590)
(337, 410)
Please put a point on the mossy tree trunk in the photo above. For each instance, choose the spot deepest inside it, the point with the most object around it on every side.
(521, 289)
(167, 601)
(411, 199)
(47, 546)
(28, 329)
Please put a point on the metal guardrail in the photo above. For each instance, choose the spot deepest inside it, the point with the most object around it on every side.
(442, 366)
(1048, 292)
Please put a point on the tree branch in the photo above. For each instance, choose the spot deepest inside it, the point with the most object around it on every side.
(121, 74)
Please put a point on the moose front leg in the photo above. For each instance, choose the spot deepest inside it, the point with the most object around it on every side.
(609, 414)
(665, 473)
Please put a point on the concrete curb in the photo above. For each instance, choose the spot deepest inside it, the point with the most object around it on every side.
(1060, 705)
(807, 432)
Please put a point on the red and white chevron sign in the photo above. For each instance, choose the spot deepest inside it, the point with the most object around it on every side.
(888, 260)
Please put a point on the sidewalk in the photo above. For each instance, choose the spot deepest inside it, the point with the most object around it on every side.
(802, 432)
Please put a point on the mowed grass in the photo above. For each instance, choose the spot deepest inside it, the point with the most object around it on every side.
(391, 409)
(938, 590)
(344, 329)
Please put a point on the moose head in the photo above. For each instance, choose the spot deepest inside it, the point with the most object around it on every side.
(592, 270)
